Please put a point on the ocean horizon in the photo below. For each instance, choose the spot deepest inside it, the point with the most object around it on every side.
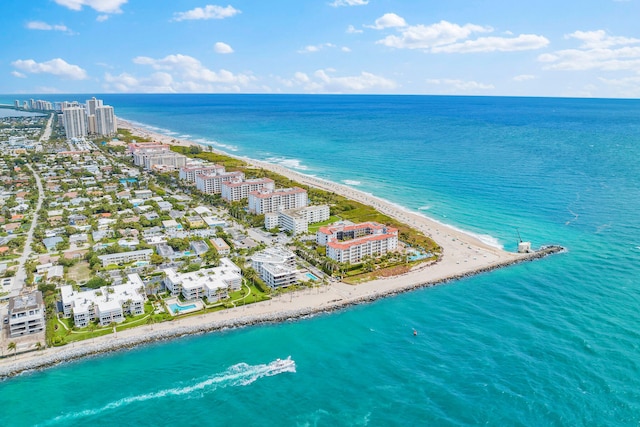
(552, 342)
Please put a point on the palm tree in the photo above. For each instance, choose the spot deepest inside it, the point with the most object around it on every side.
(12, 346)
(151, 320)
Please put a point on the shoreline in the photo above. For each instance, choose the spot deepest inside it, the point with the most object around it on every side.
(463, 255)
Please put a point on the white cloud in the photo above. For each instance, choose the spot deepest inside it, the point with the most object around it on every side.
(322, 81)
(345, 49)
(388, 20)
(57, 67)
(448, 37)
(177, 73)
(338, 3)
(316, 47)
(523, 77)
(598, 51)
(434, 35)
(103, 6)
(493, 44)
(102, 18)
(599, 39)
(39, 25)
(352, 30)
(207, 12)
(461, 86)
(18, 74)
(222, 48)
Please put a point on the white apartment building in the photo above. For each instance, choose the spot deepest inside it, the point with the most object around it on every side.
(92, 104)
(107, 304)
(212, 184)
(297, 220)
(26, 314)
(106, 122)
(276, 267)
(351, 243)
(125, 257)
(74, 120)
(212, 283)
(234, 191)
(268, 201)
(189, 173)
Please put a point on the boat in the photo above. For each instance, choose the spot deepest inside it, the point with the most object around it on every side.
(283, 365)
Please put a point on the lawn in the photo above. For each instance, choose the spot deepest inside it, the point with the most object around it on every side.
(79, 272)
(313, 228)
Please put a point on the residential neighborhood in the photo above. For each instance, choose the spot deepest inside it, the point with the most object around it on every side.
(105, 233)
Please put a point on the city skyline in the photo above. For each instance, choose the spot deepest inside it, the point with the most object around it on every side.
(574, 49)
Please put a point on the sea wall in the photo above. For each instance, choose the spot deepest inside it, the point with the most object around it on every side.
(87, 349)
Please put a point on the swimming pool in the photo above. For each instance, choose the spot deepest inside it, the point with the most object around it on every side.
(312, 276)
(175, 308)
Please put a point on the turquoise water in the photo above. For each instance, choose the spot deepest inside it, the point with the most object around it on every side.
(312, 276)
(554, 342)
(177, 308)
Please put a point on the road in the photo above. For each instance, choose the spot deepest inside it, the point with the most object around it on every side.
(47, 130)
(21, 274)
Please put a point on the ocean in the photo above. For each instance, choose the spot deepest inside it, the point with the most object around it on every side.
(551, 342)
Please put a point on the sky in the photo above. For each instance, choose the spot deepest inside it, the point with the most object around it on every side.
(564, 48)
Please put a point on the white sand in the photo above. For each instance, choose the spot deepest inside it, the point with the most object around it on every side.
(463, 254)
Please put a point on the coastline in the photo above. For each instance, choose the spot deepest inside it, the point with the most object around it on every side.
(464, 255)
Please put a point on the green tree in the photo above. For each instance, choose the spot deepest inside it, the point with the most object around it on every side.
(13, 347)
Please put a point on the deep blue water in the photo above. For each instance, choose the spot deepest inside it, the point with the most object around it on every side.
(554, 342)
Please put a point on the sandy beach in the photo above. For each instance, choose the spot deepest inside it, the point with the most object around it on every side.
(463, 255)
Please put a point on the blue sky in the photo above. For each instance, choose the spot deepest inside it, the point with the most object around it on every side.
(586, 48)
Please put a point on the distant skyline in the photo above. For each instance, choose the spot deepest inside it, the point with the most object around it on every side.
(588, 48)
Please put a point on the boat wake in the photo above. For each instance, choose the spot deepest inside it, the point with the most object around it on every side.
(240, 374)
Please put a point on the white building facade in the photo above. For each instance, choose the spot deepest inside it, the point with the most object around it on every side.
(268, 201)
(276, 267)
(351, 243)
(235, 191)
(106, 305)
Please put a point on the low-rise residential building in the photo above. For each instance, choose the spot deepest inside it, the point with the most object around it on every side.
(297, 221)
(125, 257)
(106, 305)
(352, 242)
(268, 201)
(26, 314)
(212, 283)
(221, 246)
(276, 267)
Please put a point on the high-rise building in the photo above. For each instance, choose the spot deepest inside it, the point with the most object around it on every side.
(74, 120)
(106, 123)
(92, 104)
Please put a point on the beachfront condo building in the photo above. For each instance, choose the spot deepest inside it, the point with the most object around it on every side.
(212, 283)
(92, 104)
(268, 201)
(74, 120)
(151, 155)
(235, 191)
(106, 305)
(276, 267)
(189, 172)
(26, 314)
(297, 220)
(212, 184)
(352, 242)
(106, 123)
